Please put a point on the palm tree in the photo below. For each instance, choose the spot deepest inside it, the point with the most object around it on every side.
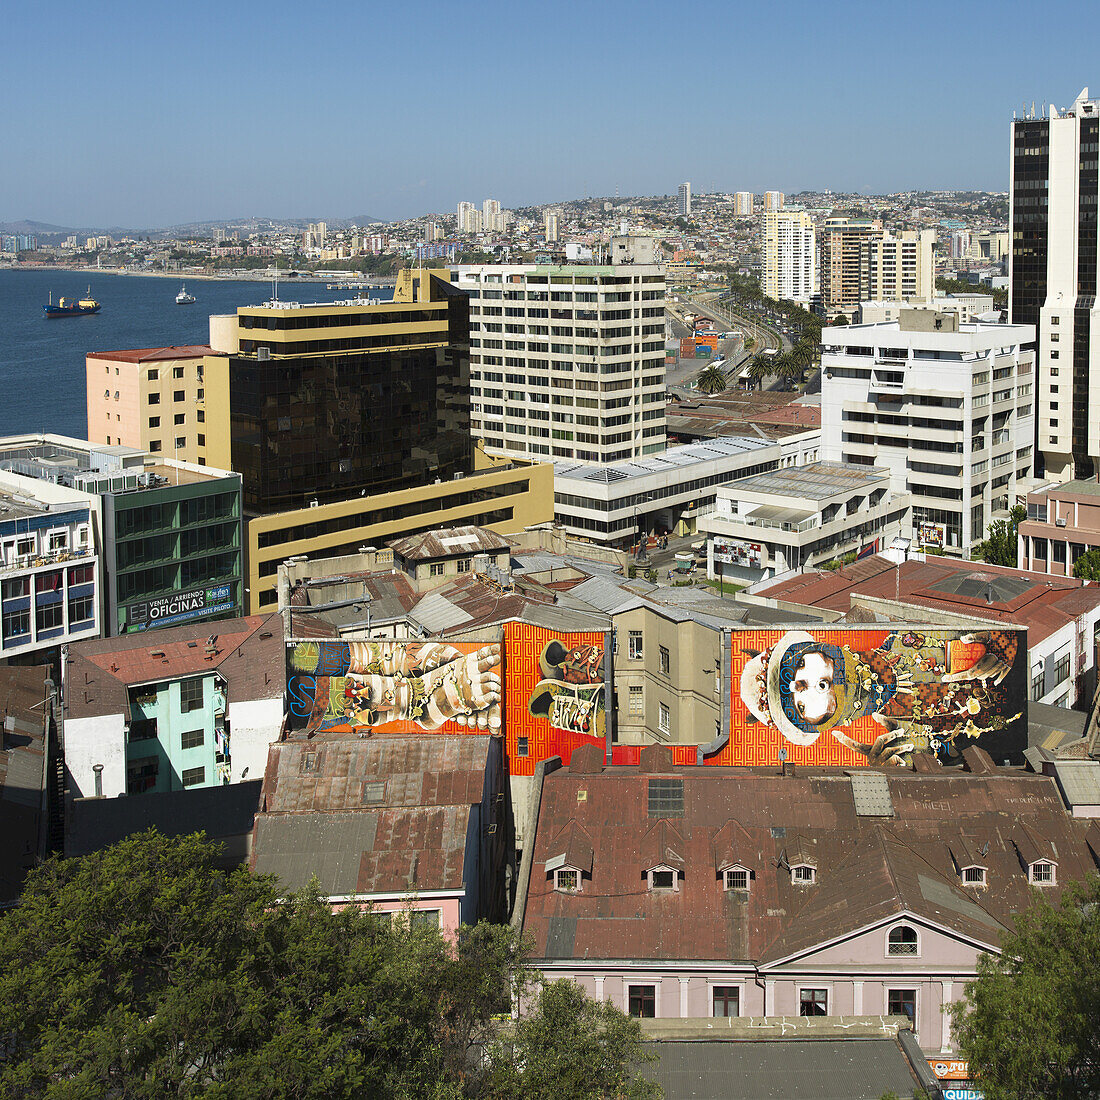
(789, 369)
(711, 380)
(760, 367)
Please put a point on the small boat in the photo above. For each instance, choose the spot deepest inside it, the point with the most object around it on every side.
(183, 298)
(72, 307)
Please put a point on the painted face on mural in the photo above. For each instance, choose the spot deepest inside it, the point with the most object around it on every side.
(812, 688)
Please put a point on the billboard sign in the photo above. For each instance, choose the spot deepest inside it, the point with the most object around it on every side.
(179, 608)
(934, 535)
(947, 1069)
(851, 696)
(555, 698)
(335, 686)
(735, 552)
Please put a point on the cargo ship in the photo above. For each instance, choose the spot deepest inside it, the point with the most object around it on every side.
(71, 307)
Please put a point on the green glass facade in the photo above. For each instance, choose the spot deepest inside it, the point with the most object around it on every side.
(177, 554)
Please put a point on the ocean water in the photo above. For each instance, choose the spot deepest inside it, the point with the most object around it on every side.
(42, 362)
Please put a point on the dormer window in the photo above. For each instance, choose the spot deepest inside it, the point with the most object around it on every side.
(567, 879)
(663, 878)
(973, 876)
(803, 874)
(736, 878)
(1041, 873)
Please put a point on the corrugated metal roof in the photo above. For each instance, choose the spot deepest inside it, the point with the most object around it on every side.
(449, 542)
(781, 1069)
(871, 792)
(1079, 781)
(436, 613)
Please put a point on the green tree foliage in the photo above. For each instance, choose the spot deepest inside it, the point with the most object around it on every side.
(962, 286)
(999, 545)
(146, 971)
(1027, 1023)
(711, 380)
(572, 1048)
(1087, 566)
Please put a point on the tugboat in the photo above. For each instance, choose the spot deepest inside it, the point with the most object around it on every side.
(70, 307)
(183, 298)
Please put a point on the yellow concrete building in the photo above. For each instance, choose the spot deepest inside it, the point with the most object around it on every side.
(149, 398)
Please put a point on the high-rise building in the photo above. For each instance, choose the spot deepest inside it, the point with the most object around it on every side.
(743, 204)
(860, 262)
(773, 200)
(790, 256)
(1052, 278)
(350, 425)
(842, 262)
(567, 362)
(551, 226)
(492, 218)
(899, 266)
(946, 406)
(685, 199)
(469, 218)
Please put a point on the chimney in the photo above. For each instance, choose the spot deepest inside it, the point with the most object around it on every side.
(98, 769)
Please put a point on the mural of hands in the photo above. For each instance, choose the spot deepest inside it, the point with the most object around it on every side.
(467, 690)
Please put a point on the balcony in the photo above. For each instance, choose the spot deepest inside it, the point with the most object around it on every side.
(23, 562)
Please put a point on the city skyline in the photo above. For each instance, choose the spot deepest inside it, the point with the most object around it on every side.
(132, 117)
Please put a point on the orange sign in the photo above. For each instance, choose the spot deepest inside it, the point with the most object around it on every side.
(947, 1070)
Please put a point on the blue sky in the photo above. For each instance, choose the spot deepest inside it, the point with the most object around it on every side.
(143, 115)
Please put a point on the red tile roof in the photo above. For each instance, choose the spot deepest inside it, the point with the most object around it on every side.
(248, 652)
(1041, 602)
(153, 355)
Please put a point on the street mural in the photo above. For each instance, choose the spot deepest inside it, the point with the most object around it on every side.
(555, 694)
(856, 696)
(335, 686)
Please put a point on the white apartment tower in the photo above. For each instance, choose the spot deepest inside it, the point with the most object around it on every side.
(685, 199)
(469, 218)
(790, 256)
(1053, 278)
(743, 204)
(773, 200)
(946, 406)
(551, 226)
(492, 220)
(567, 363)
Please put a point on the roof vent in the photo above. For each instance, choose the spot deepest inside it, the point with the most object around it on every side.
(157, 653)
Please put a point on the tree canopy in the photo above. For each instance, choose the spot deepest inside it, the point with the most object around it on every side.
(711, 380)
(146, 970)
(1087, 566)
(999, 545)
(1027, 1023)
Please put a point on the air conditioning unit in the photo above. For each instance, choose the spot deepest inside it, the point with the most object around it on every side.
(263, 354)
(1059, 523)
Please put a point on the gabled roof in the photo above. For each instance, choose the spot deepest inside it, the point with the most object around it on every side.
(868, 869)
(449, 542)
(247, 652)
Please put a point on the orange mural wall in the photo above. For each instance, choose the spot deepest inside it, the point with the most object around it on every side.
(855, 697)
(554, 698)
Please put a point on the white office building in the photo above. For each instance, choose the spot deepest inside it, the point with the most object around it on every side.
(685, 199)
(790, 256)
(567, 362)
(945, 406)
(742, 204)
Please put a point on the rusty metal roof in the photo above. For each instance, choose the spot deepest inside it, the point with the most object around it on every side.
(449, 542)
(377, 815)
(867, 868)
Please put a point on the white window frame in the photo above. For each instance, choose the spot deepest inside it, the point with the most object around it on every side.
(888, 954)
(737, 867)
(642, 979)
(567, 889)
(634, 652)
(974, 882)
(664, 655)
(802, 879)
(663, 868)
(664, 718)
(1052, 881)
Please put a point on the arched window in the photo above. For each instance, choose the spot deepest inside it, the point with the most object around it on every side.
(902, 940)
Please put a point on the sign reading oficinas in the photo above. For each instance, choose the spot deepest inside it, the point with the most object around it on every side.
(179, 608)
